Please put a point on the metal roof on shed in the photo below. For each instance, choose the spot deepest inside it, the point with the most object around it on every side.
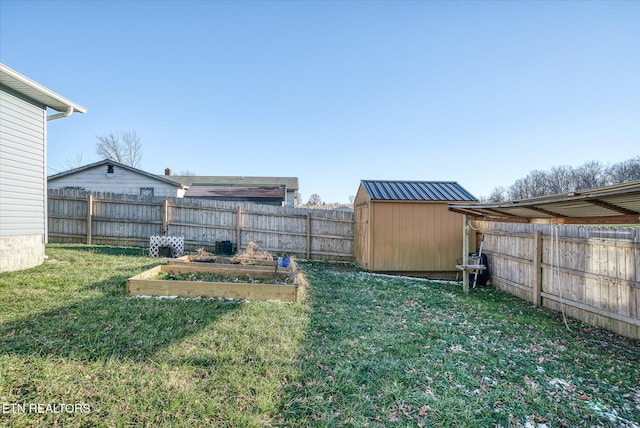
(386, 190)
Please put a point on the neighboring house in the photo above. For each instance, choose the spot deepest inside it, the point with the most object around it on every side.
(113, 177)
(108, 176)
(406, 227)
(23, 166)
(343, 207)
(263, 190)
(332, 206)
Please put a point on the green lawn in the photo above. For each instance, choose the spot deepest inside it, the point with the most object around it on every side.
(361, 350)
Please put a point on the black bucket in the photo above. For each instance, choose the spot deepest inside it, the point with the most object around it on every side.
(224, 248)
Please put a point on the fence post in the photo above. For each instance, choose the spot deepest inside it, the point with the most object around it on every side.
(465, 254)
(537, 268)
(238, 228)
(165, 217)
(308, 237)
(89, 219)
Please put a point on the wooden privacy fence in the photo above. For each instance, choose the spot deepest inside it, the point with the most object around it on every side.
(589, 273)
(129, 220)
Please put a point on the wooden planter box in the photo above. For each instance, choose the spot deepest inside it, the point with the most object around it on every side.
(143, 284)
(263, 264)
(257, 272)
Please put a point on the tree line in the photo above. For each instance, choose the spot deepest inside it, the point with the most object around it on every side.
(566, 179)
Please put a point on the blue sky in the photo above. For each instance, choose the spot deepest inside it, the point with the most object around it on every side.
(333, 92)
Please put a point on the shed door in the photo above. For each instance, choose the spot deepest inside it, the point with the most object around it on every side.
(362, 235)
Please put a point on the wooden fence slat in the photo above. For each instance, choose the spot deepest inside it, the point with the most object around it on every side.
(308, 246)
(89, 218)
(594, 273)
(537, 268)
(239, 228)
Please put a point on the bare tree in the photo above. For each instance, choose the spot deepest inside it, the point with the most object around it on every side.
(123, 147)
(565, 179)
(187, 172)
(75, 162)
(590, 175)
(498, 194)
(561, 179)
(518, 190)
(533, 185)
(624, 171)
(314, 200)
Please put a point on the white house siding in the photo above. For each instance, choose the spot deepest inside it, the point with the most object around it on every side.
(122, 180)
(22, 181)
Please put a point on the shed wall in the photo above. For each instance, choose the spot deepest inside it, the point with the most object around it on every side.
(120, 181)
(414, 237)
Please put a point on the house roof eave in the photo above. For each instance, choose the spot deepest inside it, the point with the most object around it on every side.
(31, 89)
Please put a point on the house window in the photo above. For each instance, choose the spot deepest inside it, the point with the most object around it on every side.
(109, 169)
(146, 191)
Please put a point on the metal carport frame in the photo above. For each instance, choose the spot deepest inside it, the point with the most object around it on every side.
(617, 204)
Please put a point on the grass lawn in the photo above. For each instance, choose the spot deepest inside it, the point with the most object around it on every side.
(361, 350)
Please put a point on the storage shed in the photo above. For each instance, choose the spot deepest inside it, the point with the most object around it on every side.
(24, 106)
(405, 227)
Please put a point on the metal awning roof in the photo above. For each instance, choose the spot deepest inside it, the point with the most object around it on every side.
(617, 204)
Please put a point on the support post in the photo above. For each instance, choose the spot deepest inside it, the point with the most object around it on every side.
(308, 237)
(165, 217)
(238, 228)
(465, 254)
(537, 268)
(89, 219)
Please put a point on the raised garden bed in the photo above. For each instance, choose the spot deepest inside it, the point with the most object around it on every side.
(196, 260)
(195, 279)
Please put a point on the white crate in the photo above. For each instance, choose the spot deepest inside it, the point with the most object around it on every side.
(176, 243)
